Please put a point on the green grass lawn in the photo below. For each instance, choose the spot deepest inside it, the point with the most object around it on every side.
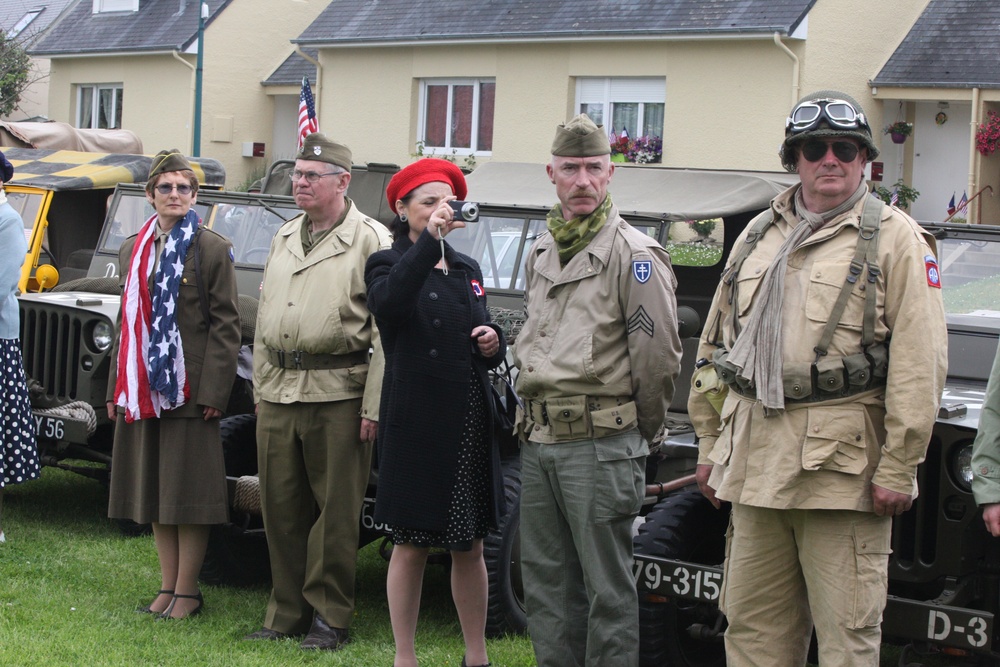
(70, 583)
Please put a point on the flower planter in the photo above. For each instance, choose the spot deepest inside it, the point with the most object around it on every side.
(897, 137)
(618, 157)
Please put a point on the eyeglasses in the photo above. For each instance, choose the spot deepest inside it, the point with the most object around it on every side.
(312, 176)
(845, 151)
(182, 189)
(840, 114)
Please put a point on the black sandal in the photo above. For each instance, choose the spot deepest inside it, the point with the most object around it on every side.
(165, 616)
(488, 664)
(146, 609)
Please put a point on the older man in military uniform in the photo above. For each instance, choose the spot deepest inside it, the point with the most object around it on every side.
(318, 398)
(598, 356)
(828, 330)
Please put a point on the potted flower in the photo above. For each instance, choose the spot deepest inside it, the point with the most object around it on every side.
(645, 150)
(899, 131)
(904, 194)
(988, 134)
(620, 146)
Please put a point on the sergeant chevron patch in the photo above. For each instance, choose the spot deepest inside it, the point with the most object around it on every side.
(640, 321)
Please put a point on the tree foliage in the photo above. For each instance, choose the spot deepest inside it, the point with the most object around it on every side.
(15, 66)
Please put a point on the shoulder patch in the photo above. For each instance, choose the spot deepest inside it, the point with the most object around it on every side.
(477, 288)
(232, 255)
(642, 269)
(933, 274)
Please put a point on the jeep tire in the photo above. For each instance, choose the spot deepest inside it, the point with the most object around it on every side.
(502, 553)
(683, 526)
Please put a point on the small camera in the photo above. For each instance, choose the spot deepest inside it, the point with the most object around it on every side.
(465, 210)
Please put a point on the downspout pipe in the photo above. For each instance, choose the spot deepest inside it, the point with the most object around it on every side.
(973, 126)
(177, 56)
(795, 66)
(319, 77)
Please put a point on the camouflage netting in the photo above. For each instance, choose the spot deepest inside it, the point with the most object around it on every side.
(509, 320)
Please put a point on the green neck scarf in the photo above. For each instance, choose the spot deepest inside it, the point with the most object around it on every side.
(572, 236)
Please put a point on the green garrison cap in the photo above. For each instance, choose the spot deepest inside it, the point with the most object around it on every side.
(580, 137)
(170, 160)
(318, 147)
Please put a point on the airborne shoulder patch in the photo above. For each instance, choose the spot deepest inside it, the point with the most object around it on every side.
(933, 273)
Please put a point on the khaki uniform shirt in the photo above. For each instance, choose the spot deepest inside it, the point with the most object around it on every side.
(317, 303)
(986, 449)
(825, 455)
(594, 328)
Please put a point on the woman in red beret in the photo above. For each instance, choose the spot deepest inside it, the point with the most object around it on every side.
(439, 470)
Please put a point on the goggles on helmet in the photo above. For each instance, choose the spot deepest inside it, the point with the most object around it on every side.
(839, 114)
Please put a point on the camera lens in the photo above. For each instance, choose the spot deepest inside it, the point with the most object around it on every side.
(470, 211)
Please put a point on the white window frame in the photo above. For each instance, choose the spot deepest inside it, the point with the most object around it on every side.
(95, 101)
(101, 6)
(607, 91)
(23, 23)
(422, 115)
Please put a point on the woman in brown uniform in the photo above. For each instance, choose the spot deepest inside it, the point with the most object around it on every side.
(174, 361)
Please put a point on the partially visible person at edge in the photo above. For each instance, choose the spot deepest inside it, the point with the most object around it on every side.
(598, 355)
(834, 378)
(440, 484)
(173, 364)
(986, 454)
(18, 452)
(317, 397)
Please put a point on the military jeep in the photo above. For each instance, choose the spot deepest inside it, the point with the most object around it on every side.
(944, 572)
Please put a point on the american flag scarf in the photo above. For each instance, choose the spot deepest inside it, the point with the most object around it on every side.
(151, 373)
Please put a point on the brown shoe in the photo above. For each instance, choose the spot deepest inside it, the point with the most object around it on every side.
(323, 637)
(266, 633)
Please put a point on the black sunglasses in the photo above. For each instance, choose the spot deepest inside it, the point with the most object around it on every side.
(845, 151)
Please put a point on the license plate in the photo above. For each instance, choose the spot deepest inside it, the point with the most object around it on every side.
(970, 629)
(368, 517)
(50, 428)
(677, 579)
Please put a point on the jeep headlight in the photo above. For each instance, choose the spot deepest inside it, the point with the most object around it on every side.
(101, 336)
(961, 466)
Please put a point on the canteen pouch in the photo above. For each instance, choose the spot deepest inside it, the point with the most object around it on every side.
(706, 381)
(566, 416)
(611, 421)
(878, 355)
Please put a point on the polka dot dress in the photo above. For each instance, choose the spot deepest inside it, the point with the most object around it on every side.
(18, 452)
(468, 515)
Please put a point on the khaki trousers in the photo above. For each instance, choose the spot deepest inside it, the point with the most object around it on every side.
(577, 506)
(787, 570)
(313, 472)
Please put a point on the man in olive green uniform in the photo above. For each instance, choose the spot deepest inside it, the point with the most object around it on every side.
(598, 356)
(986, 454)
(828, 329)
(318, 398)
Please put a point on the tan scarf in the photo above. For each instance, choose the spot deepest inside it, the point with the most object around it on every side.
(758, 349)
(572, 236)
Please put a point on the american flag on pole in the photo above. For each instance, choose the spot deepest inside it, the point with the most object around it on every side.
(962, 203)
(894, 199)
(307, 112)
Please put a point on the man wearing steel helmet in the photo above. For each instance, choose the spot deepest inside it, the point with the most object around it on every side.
(828, 330)
(598, 355)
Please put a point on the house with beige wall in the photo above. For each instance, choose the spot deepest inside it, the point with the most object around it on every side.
(25, 21)
(132, 64)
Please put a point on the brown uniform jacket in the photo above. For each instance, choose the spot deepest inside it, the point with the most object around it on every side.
(595, 328)
(825, 455)
(317, 303)
(210, 353)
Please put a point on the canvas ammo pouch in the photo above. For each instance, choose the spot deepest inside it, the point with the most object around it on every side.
(582, 417)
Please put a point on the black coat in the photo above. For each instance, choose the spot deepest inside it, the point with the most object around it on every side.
(425, 319)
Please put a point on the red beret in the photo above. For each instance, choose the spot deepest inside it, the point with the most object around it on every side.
(427, 170)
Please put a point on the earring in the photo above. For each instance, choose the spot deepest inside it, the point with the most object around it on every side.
(403, 218)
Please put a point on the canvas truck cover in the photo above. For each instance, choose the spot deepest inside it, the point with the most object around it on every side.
(60, 170)
(657, 192)
(62, 136)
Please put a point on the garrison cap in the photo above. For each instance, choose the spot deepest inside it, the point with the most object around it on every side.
(581, 137)
(318, 147)
(171, 160)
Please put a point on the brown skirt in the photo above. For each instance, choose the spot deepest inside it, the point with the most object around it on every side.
(168, 471)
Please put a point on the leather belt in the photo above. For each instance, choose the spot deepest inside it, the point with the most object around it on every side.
(306, 361)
